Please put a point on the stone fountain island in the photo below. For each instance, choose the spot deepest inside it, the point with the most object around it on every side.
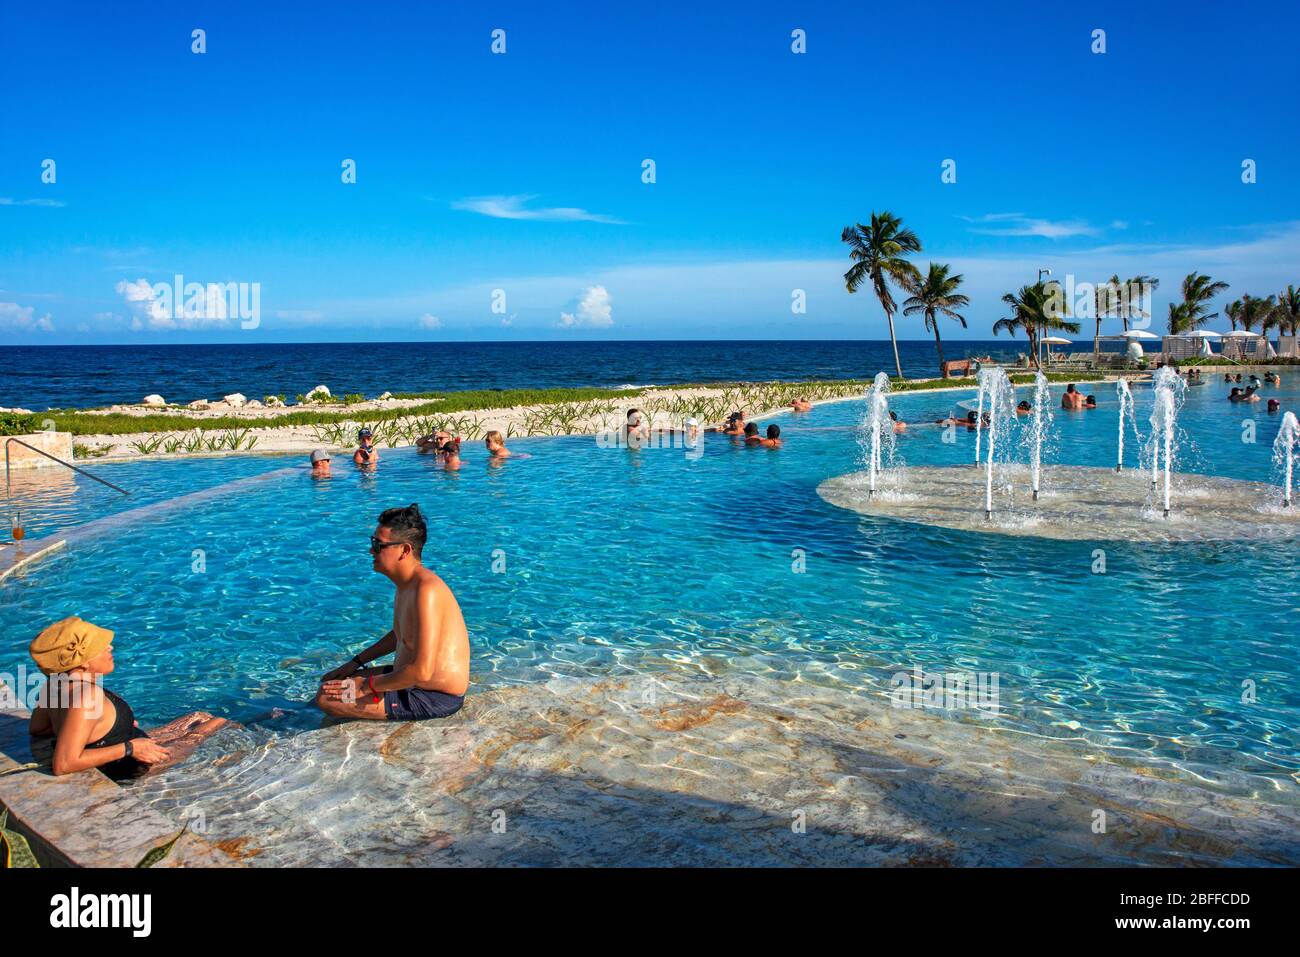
(1077, 503)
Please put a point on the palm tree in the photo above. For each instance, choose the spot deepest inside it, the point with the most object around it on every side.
(936, 293)
(1254, 309)
(1137, 282)
(1287, 309)
(1106, 301)
(1034, 310)
(1233, 311)
(1198, 290)
(877, 252)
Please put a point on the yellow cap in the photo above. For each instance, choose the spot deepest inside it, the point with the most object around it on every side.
(68, 643)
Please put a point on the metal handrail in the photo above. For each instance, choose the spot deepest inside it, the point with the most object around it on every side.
(26, 445)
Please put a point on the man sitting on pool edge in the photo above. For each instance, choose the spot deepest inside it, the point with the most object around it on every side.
(430, 675)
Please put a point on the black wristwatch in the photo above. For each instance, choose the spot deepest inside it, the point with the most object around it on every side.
(130, 750)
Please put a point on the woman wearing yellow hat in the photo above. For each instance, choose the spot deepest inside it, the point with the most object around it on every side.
(92, 727)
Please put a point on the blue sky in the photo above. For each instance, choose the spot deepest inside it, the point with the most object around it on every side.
(523, 172)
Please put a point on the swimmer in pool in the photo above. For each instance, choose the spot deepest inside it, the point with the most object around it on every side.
(496, 445)
(773, 440)
(366, 453)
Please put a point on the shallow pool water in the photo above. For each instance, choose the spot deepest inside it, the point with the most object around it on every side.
(586, 562)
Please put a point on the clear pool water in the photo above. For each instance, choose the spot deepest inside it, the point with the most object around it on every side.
(619, 562)
(56, 499)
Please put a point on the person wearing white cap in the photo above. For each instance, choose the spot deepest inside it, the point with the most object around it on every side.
(320, 463)
(692, 432)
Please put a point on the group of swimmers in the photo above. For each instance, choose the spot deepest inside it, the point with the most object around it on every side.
(1075, 401)
(737, 427)
(440, 443)
(1248, 394)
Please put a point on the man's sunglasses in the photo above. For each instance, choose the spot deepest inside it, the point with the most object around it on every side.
(377, 546)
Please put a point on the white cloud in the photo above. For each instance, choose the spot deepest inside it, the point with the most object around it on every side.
(10, 201)
(514, 207)
(594, 311)
(1018, 224)
(430, 321)
(16, 318)
(146, 309)
(159, 311)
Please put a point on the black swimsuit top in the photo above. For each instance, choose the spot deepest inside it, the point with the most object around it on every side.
(123, 730)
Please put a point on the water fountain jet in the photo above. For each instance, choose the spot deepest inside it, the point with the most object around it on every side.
(1284, 448)
(877, 423)
(1042, 423)
(1125, 406)
(1001, 412)
(1168, 387)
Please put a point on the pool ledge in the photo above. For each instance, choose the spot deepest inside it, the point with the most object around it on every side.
(84, 819)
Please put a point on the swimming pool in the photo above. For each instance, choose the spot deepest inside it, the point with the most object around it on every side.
(588, 562)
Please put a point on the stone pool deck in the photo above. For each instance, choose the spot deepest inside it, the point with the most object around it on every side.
(678, 771)
(84, 819)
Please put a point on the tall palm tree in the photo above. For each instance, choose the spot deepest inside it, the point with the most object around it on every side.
(1107, 301)
(1254, 309)
(1137, 282)
(878, 252)
(1288, 309)
(1035, 310)
(1198, 290)
(934, 294)
(1233, 311)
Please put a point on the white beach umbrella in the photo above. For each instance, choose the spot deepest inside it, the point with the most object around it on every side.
(1139, 334)
(1241, 334)
(1058, 341)
(1199, 334)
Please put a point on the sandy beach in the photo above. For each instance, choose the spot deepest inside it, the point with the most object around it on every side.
(665, 409)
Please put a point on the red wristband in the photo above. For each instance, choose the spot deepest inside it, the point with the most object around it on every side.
(370, 682)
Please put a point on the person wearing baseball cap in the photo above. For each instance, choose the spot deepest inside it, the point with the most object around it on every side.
(366, 454)
(320, 463)
(92, 726)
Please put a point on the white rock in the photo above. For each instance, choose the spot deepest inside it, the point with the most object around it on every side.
(385, 396)
(320, 392)
(235, 399)
(17, 411)
(154, 400)
(273, 402)
(199, 405)
(253, 404)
